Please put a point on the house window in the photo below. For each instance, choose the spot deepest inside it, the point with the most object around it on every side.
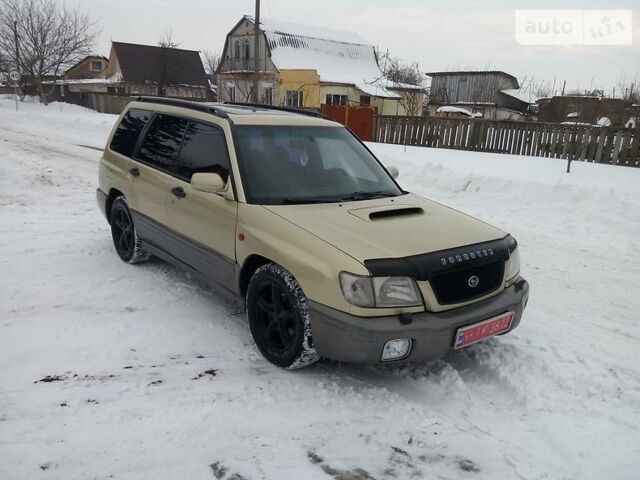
(247, 50)
(294, 98)
(335, 99)
(236, 50)
(231, 92)
(365, 100)
(267, 95)
(96, 65)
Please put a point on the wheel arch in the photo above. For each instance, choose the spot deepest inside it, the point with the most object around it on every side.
(252, 263)
(113, 194)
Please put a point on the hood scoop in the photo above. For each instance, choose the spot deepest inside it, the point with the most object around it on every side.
(395, 212)
(373, 214)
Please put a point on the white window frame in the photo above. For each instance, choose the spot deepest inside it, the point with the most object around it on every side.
(338, 97)
(267, 86)
(230, 90)
(299, 98)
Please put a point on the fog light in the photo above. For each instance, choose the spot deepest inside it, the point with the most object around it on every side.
(396, 349)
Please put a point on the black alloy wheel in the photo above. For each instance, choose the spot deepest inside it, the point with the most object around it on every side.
(124, 235)
(279, 318)
(122, 231)
(275, 317)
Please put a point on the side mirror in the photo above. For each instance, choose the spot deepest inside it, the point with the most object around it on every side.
(394, 172)
(208, 182)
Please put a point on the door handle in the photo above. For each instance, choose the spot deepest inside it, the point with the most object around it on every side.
(178, 192)
(134, 172)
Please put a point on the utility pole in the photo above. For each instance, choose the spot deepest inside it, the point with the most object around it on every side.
(256, 53)
(15, 39)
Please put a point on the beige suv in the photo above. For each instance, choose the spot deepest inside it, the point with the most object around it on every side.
(292, 214)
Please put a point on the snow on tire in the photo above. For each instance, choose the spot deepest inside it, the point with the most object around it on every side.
(278, 315)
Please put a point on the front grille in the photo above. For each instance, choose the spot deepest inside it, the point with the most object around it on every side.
(454, 287)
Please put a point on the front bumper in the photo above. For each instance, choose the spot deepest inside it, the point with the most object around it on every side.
(348, 338)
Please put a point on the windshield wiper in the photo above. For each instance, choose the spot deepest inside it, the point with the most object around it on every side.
(303, 200)
(368, 195)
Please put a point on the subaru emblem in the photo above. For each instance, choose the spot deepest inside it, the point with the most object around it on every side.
(473, 281)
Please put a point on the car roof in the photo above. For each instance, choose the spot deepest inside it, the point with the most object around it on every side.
(245, 114)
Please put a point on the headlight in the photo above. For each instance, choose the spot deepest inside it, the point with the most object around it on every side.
(379, 291)
(512, 266)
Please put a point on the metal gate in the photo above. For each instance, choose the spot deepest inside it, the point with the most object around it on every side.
(359, 119)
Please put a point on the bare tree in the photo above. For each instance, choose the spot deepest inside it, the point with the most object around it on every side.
(211, 62)
(166, 68)
(629, 89)
(396, 70)
(167, 41)
(406, 78)
(51, 37)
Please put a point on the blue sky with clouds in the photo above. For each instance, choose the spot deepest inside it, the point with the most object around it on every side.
(439, 35)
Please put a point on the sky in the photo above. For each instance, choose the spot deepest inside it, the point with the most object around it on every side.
(454, 34)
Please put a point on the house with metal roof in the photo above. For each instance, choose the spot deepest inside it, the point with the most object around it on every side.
(492, 94)
(305, 66)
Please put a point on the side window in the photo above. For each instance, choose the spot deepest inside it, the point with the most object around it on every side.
(162, 142)
(127, 133)
(204, 150)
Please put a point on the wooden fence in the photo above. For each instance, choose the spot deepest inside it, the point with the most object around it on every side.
(616, 146)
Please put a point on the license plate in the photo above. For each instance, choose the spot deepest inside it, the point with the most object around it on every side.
(485, 329)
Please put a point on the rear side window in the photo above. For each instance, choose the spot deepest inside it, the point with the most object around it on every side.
(127, 133)
(203, 150)
(162, 142)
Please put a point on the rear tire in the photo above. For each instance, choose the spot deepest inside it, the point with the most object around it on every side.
(278, 316)
(123, 232)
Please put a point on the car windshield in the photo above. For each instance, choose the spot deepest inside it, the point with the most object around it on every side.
(288, 165)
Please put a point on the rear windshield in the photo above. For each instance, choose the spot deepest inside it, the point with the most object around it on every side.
(126, 135)
(283, 164)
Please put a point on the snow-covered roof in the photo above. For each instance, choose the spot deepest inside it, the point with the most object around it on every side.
(84, 81)
(402, 86)
(519, 94)
(337, 56)
(462, 111)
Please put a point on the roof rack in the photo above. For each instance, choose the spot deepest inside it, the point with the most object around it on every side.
(174, 102)
(309, 113)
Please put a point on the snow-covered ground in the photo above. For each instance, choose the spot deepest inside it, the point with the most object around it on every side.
(154, 376)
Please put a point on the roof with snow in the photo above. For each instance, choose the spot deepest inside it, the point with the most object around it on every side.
(338, 56)
(462, 111)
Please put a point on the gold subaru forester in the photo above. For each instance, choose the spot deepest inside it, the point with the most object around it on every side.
(291, 214)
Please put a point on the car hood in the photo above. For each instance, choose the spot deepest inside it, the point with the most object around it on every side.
(388, 227)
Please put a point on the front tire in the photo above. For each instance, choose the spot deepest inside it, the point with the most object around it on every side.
(123, 232)
(279, 318)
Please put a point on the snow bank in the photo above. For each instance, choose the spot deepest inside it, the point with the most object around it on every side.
(113, 371)
(57, 121)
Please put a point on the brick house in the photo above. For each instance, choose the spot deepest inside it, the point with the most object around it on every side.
(92, 66)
